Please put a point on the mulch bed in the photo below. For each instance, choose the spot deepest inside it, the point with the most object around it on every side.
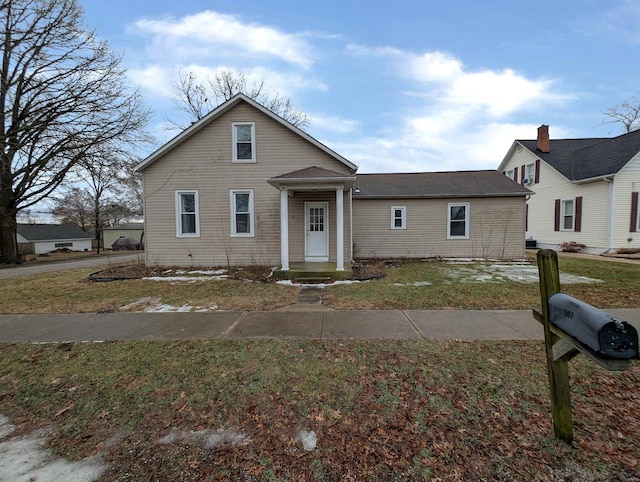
(362, 270)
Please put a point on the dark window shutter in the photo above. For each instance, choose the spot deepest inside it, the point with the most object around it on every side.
(537, 179)
(515, 174)
(556, 221)
(634, 212)
(526, 217)
(577, 227)
(522, 174)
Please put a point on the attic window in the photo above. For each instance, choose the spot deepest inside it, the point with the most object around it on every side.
(509, 174)
(244, 141)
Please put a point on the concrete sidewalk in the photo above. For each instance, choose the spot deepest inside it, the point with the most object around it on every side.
(313, 324)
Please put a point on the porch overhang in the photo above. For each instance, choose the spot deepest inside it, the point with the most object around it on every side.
(312, 179)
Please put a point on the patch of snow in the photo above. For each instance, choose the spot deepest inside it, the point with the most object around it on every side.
(25, 459)
(209, 439)
(153, 305)
(500, 272)
(190, 279)
(226, 438)
(5, 427)
(417, 283)
(216, 272)
(309, 439)
(288, 282)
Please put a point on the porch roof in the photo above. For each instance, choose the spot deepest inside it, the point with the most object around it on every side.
(311, 179)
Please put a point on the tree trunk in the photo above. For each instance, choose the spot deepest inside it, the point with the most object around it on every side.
(8, 236)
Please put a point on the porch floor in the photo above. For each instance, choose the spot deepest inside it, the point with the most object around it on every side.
(306, 270)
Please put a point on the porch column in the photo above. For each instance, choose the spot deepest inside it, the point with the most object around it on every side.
(340, 229)
(284, 229)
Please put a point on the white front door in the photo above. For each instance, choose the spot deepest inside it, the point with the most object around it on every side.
(316, 223)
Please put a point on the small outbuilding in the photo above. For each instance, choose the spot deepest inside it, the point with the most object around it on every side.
(49, 237)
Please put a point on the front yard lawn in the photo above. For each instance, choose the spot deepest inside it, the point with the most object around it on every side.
(384, 410)
(406, 285)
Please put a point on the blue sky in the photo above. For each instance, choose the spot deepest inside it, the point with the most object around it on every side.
(396, 86)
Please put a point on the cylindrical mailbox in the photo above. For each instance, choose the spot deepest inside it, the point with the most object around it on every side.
(597, 330)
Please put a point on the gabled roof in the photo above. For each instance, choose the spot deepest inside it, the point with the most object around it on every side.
(581, 159)
(311, 177)
(51, 232)
(221, 109)
(313, 172)
(437, 185)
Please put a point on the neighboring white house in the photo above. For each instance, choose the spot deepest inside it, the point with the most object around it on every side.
(585, 190)
(242, 186)
(49, 237)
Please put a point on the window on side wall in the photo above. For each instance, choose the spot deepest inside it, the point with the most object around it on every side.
(509, 174)
(530, 173)
(242, 213)
(244, 141)
(568, 215)
(458, 221)
(187, 214)
(398, 217)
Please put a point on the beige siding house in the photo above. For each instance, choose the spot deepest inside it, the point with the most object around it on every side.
(586, 190)
(470, 214)
(244, 187)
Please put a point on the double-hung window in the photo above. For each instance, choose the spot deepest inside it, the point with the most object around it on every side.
(187, 214)
(568, 215)
(244, 141)
(242, 224)
(509, 174)
(458, 221)
(398, 217)
(530, 173)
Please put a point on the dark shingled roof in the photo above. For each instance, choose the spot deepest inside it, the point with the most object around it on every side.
(50, 232)
(580, 159)
(437, 185)
(313, 172)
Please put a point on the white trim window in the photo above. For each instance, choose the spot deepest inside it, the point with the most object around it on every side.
(187, 214)
(398, 217)
(242, 217)
(568, 215)
(530, 173)
(458, 221)
(509, 174)
(244, 141)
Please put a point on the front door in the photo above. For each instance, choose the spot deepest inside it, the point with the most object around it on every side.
(316, 240)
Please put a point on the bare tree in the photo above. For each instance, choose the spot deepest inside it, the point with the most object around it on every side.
(63, 96)
(627, 114)
(196, 98)
(102, 194)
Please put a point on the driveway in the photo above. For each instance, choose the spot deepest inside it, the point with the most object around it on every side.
(114, 259)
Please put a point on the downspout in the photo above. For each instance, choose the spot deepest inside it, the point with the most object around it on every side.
(351, 225)
(610, 214)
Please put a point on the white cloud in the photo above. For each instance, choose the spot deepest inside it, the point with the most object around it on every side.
(459, 118)
(211, 32)
(335, 124)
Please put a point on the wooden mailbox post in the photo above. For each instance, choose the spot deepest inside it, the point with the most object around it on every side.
(560, 348)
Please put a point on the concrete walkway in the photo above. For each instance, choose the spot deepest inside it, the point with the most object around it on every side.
(308, 324)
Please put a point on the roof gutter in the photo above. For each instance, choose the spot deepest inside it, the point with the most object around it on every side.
(605, 177)
(437, 196)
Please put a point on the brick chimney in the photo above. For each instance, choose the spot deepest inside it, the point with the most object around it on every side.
(544, 145)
